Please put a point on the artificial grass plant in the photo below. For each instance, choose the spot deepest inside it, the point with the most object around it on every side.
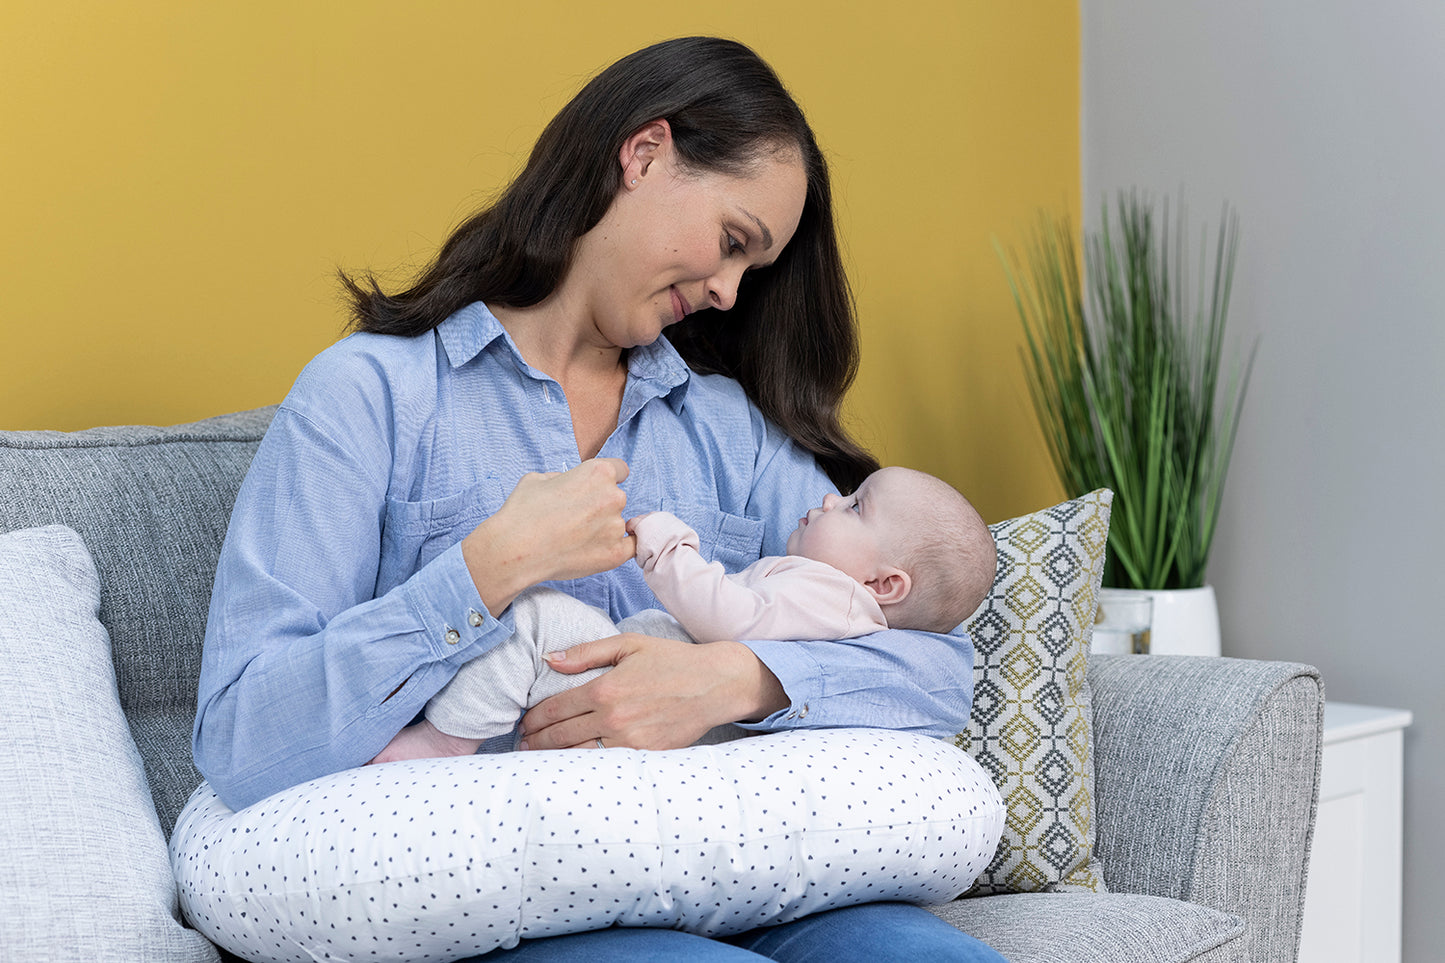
(1127, 384)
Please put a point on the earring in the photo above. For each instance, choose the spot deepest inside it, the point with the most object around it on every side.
(634, 180)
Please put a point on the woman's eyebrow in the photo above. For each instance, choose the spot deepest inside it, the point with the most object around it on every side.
(762, 228)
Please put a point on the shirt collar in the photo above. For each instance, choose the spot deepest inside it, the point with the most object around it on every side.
(467, 332)
(661, 368)
(658, 366)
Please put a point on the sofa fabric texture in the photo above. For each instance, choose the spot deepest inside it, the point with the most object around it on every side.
(1180, 817)
(152, 506)
(1206, 769)
(85, 874)
(1103, 928)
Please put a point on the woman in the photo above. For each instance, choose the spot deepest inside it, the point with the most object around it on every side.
(485, 428)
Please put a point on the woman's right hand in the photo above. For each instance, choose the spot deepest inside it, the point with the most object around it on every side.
(553, 526)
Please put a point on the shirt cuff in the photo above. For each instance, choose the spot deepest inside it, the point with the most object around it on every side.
(801, 676)
(450, 611)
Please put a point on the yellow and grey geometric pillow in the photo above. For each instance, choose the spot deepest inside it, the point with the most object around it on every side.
(1032, 723)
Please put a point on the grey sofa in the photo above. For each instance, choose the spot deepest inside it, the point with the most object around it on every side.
(1206, 769)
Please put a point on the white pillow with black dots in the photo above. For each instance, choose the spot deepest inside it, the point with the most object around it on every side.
(445, 858)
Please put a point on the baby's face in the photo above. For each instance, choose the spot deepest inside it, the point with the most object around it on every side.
(854, 533)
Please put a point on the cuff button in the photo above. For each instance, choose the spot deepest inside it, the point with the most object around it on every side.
(452, 636)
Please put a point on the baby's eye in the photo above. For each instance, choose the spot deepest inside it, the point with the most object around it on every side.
(855, 506)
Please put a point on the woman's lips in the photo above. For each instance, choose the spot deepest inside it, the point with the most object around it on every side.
(680, 307)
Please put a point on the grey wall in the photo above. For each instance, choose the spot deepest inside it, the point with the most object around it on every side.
(1324, 123)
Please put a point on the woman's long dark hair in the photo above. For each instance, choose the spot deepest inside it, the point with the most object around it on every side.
(791, 340)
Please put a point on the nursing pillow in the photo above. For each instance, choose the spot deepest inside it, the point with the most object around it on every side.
(439, 859)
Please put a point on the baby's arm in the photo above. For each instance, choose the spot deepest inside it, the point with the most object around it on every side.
(688, 586)
(789, 598)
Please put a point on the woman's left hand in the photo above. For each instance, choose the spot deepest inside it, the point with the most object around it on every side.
(660, 694)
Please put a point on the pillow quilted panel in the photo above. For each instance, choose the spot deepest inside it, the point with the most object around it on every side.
(439, 859)
(1031, 726)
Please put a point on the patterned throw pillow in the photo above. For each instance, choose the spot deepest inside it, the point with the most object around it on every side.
(1032, 723)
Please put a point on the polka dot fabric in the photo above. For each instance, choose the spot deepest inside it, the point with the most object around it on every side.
(439, 859)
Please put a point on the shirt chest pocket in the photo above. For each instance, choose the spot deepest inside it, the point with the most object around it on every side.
(415, 532)
(734, 540)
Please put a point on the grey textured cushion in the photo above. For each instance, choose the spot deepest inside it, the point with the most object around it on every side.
(1090, 928)
(85, 874)
(152, 505)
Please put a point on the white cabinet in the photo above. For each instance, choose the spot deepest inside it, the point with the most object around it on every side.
(1352, 899)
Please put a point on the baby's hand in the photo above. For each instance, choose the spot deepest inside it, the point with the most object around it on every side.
(631, 523)
(656, 534)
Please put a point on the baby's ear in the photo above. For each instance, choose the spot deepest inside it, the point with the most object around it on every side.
(889, 585)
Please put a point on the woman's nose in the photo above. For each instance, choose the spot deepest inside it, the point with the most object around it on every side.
(722, 288)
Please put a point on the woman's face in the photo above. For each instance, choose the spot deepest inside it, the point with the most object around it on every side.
(679, 241)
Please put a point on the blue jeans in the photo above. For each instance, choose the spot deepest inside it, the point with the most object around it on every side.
(874, 932)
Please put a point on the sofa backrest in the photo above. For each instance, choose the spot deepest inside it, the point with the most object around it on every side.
(152, 505)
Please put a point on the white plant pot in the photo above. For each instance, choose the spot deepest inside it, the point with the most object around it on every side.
(1184, 621)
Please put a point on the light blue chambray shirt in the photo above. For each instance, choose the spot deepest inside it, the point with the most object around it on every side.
(342, 603)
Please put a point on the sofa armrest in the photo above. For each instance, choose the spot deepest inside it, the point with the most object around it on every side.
(1207, 774)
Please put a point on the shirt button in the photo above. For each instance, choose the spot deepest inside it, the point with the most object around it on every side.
(474, 619)
(803, 713)
(452, 636)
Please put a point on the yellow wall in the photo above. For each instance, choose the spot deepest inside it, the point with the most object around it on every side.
(181, 179)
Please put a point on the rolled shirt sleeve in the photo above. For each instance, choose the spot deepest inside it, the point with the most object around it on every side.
(899, 679)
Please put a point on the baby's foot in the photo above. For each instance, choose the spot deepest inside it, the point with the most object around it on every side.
(425, 741)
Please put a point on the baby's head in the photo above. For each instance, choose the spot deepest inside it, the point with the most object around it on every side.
(912, 540)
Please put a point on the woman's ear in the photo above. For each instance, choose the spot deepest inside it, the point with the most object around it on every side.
(889, 585)
(647, 144)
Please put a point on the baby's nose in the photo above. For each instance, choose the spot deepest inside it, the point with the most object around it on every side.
(830, 500)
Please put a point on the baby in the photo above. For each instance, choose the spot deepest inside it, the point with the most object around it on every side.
(903, 551)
